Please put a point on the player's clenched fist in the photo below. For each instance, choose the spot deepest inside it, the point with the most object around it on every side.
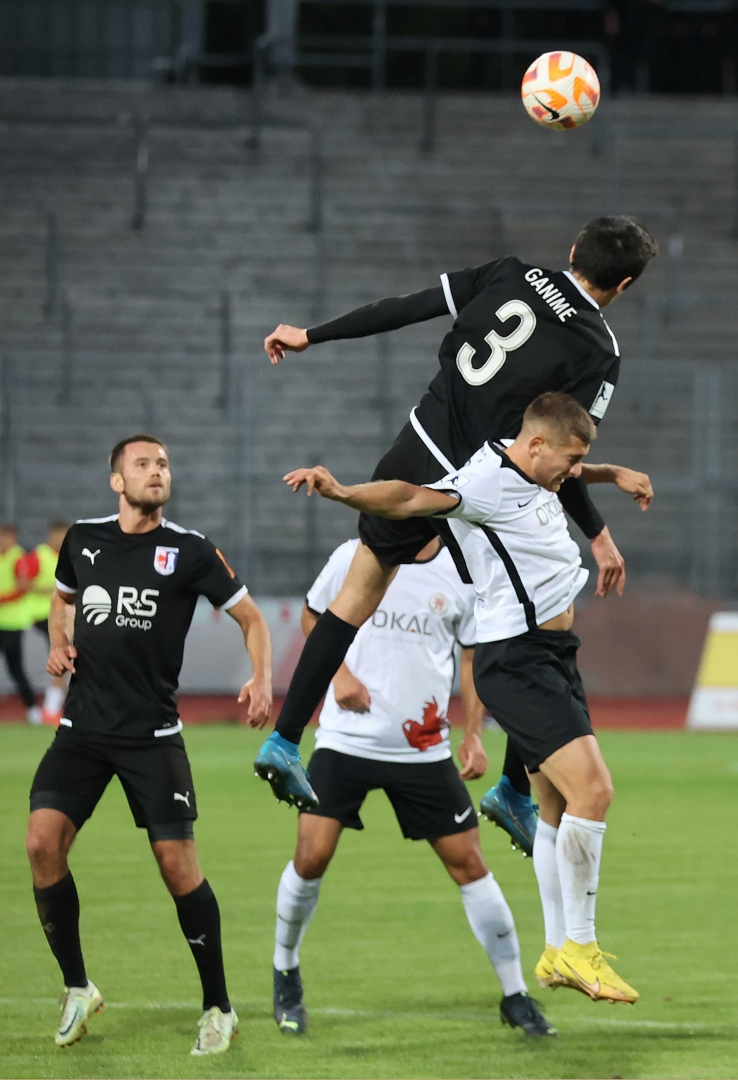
(285, 339)
(258, 693)
(61, 660)
(316, 479)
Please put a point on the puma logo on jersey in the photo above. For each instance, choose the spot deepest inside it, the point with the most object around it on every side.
(182, 798)
(600, 403)
(91, 555)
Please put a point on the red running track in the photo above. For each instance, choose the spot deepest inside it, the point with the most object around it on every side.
(643, 714)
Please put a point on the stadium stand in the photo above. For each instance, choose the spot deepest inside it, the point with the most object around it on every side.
(161, 326)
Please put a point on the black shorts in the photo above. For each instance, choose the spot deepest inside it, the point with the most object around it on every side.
(532, 687)
(154, 773)
(428, 798)
(395, 542)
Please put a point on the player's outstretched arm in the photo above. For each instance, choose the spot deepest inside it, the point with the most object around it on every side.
(386, 498)
(258, 690)
(62, 653)
(472, 754)
(391, 313)
(634, 483)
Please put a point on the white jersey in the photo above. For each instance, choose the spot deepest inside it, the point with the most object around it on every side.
(404, 655)
(515, 540)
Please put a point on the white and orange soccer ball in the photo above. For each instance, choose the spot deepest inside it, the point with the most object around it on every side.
(560, 90)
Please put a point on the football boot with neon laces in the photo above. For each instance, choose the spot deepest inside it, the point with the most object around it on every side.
(278, 762)
(78, 1003)
(584, 968)
(515, 813)
(217, 1030)
(289, 1008)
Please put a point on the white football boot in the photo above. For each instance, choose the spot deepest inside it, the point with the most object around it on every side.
(217, 1029)
(78, 1003)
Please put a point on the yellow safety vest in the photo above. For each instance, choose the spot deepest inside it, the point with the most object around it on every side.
(16, 614)
(39, 597)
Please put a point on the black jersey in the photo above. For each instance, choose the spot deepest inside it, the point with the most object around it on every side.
(519, 330)
(135, 597)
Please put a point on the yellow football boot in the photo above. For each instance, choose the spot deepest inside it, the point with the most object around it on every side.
(584, 968)
(544, 969)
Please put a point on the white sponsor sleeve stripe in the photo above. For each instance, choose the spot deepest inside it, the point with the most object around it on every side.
(449, 295)
(614, 339)
(64, 588)
(423, 434)
(243, 591)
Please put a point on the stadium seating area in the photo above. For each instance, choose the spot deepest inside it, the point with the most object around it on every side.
(143, 332)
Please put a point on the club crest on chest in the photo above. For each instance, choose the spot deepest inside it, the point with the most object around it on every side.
(165, 560)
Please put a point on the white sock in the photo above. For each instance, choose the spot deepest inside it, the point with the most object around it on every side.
(492, 925)
(578, 855)
(297, 899)
(549, 886)
(54, 698)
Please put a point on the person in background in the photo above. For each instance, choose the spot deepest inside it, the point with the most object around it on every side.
(38, 569)
(14, 616)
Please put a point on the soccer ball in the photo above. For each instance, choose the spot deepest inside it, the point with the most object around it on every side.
(560, 90)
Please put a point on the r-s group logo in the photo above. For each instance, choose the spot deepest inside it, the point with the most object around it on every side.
(133, 609)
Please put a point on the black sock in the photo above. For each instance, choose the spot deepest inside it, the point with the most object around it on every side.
(199, 918)
(324, 652)
(58, 910)
(514, 770)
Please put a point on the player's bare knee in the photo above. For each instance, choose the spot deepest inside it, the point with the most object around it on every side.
(311, 861)
(594, 801)
(46, 852)
(48, 840)
(178, 867)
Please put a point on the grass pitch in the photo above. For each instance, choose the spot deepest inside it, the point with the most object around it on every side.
(395, 983)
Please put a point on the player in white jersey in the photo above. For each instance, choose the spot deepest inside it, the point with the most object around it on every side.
(504, 514)
(384, 725)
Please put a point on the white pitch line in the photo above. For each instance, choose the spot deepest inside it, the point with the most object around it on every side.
(385, 1014)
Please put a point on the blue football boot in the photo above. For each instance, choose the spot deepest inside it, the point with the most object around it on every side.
(515, 813)
(278, 762)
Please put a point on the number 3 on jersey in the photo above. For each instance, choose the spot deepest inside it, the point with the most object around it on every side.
(499, 345)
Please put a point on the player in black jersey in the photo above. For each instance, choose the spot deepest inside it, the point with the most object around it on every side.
(134, 579)
(519, 330)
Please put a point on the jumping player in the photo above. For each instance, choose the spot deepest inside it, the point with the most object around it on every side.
(519, 330)
(503, 512)
(384, 726)
(134, 579)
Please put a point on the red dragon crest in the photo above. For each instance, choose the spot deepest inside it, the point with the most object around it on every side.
(430, 732)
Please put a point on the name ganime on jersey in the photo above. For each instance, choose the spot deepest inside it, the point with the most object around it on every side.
(132, 610)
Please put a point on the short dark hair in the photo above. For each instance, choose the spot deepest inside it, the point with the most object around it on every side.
(610, 249)
(117, 452)
(562, 412)
(57, 524)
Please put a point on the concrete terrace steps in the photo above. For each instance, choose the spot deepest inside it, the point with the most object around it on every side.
(144, 306)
